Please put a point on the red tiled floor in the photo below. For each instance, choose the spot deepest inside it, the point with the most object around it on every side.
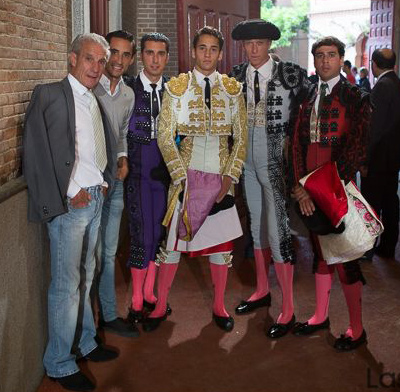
(188, 353)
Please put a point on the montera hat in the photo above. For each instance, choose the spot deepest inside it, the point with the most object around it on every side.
(255, 29)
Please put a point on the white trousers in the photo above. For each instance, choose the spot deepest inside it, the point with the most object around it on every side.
(261, 195)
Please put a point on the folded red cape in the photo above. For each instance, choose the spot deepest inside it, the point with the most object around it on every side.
(327, 191)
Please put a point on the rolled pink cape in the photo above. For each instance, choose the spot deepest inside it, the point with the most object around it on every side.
(200, 195)
(327, 191)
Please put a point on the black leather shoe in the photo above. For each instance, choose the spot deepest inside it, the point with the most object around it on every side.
(301, 329)
(101, 354)
(346, 343)
(135, 316)
(149, 324)
(75, 382)
(120, 327)
(151, 306)
(249, 306)
(225, 323)
(278, 330)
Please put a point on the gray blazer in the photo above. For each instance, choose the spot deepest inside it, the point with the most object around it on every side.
(49, 149)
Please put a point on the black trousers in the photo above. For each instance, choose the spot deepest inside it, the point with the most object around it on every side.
(380, 190)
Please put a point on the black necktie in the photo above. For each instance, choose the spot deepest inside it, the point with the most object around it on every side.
(256, 88)
(322, 94)
(207, 93)
(154, 103)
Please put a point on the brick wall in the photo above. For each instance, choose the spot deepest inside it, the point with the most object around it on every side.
(129, 16)
(33, 42)
(129, 24)
(153, 15)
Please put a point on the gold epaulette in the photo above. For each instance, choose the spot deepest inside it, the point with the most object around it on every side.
(178, 85)
(231, 85)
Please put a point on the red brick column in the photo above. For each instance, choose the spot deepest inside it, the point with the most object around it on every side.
(33, 38)
(153, 15)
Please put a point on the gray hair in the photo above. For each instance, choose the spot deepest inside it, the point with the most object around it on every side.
(77, 43)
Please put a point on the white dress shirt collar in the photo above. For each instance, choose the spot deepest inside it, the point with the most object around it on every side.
(146, 82)
(331, 84)
(265, 70)
(106, 83)
(76, 85)
(200, 77)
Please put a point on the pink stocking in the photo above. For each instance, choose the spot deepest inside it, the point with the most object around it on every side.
(149, 283)
(219, 274)
(284, 273)
(165, 278)
(353, 293)
(262, 258)
(138, 276)
(323, 284)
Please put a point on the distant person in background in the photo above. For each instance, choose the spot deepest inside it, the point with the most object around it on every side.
(347, 70)
(379, 179)
(356, 75)
(364, 81)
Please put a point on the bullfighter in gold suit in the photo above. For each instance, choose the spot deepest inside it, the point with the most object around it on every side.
(201, 111)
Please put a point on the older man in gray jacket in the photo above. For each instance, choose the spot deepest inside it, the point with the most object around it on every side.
(69, 161)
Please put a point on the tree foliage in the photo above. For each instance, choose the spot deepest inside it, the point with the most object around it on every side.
(289, 20)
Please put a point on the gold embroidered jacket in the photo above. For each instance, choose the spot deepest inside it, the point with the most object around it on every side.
(185, 114)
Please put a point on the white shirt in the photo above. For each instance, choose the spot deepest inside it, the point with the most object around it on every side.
(146, 86)
(200, 78)
(85, 172)
(205, 153)
(264, 76)
(331, 84)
